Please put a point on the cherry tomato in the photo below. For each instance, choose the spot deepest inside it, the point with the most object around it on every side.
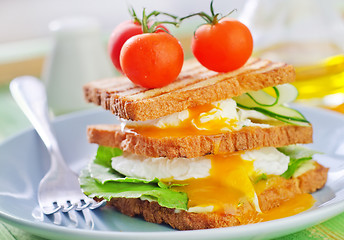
(120, 35)
(224, 46)
(152, 60)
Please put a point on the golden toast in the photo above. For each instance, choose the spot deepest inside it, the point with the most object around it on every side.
(247, 138)
(195, 86)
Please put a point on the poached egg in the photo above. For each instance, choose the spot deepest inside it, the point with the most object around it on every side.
(212, 183)
(208, 119)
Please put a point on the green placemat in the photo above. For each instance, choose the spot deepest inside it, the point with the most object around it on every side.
(331, 229)
(8, 232)
(12, 120)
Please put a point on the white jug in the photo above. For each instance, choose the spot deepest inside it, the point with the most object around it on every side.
(78, 56)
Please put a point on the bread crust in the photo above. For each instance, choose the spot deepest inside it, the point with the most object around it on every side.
(199, 145)
(182, 220)
(195, 86)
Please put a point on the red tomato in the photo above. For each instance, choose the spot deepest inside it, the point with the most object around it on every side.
(224, 46)
(120, 35)
(152, 60)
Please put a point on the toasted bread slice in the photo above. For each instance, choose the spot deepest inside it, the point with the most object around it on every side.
(199, 145)
(271, 198)
(195, 86)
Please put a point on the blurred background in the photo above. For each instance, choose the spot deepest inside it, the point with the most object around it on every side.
(45, 38)
(25, 31)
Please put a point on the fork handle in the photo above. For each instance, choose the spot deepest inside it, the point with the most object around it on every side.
(30, 95)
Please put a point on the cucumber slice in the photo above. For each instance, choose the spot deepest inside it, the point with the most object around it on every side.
(246, 101)
(293, 122)
(287, 93)
(264, 99)
(278, 112)
(262, 102)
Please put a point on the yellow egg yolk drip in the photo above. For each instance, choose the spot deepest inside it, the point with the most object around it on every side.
(227, 186)
(230, 184)
(293, 206)
(190, 126)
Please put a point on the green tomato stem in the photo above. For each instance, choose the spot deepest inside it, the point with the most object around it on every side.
(146, 18)
(203, 15)
(134, 16)
(234, 10)
(212, 19)
(144, 22)
(212, 8)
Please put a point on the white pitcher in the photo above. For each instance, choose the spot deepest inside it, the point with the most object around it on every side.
(78, 56)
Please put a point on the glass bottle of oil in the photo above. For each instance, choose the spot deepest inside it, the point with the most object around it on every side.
(308, 34)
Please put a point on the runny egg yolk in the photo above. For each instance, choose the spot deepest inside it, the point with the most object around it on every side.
(293, 206)
(190, 126)
(230, 184)
(225, 188)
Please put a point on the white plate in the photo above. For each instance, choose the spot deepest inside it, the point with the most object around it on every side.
(24, 161)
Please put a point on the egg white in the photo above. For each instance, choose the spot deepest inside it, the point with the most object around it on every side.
(139, 166)
(266, 160)
(224, 109)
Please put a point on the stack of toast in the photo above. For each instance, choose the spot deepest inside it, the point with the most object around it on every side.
(232, 165)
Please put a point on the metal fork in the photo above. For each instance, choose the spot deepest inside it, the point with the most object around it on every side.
(59, 190)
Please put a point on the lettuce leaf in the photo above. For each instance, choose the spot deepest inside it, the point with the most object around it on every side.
(164, 196)
(298, 155)
(104, 155)
(100, 180)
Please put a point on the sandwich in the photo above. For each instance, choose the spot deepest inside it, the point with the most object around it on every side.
(209, 150)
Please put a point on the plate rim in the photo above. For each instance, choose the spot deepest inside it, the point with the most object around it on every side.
(329, 210)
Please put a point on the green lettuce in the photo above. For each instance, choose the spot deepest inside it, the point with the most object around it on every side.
(104, 155)
(298, 155)
(164, 196)
(100, 180)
